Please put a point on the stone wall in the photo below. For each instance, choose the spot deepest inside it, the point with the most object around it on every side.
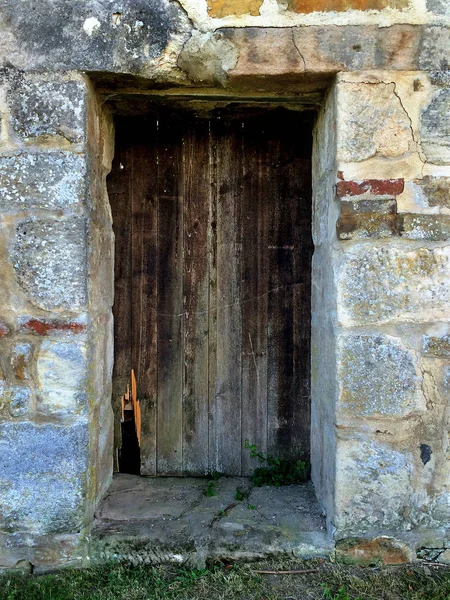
(378, 73)
(55, 298)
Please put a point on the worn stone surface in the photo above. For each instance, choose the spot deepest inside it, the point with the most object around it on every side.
(387, 283)
(63, 36)
(48, 108)
(307, 6)
(62, 378)
(373, 122)
(49, 258)
(46, 458)
(433, 191)
(378, 375)
(425, 227)
(435, 128)
(373, 552)
(19, 400)
(225, 8)
(440, 7)
(42, 180)
(20, 359)
(367, 219)
(374, 484)
(436, 346)
(171, 519)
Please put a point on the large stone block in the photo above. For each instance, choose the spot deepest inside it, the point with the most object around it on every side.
(42, 476)
(372, 122)
(435, 128)
(48, 108)
(381, 284)
(100, 36)
(308, 6)
(44, 180)
(49, 258)
(373, 486)
(62, 375)
(378, 376)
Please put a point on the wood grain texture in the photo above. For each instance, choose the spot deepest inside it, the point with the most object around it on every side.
(213, 236)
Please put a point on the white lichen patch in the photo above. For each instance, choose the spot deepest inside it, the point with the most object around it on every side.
(91, 25)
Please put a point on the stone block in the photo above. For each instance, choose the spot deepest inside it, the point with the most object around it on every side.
(378, 376)
(48, 108)
(43, 479)
(227, 8)
(49, 257)
(435, 228)
(367, 219)
(373, 486)
(436, 346)
(433, 191)
(435, 128)
(372, 122)
(19, 400)
(43, 180)
(20, 359)
(383, 284)
(308, 6)
(439, 7)
(62, 375)
(372, 552)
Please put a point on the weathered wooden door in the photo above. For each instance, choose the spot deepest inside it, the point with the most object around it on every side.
(212, 218)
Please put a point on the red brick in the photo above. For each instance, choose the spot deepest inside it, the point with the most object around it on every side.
(373, 187)
(45, 327)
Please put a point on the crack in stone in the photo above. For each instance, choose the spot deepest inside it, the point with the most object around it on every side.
(297, 49)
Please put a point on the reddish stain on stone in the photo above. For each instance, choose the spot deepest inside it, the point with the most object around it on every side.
(340, 175)
(46, 327)
(375, 187)
(4, 329)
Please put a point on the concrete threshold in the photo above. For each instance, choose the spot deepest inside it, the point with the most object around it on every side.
(170, 519)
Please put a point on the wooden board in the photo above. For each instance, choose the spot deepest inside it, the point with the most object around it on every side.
(213, 257)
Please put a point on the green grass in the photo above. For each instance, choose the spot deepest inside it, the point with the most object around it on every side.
(234, 582)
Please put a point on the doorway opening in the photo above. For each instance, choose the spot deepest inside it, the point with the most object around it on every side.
(212, 220)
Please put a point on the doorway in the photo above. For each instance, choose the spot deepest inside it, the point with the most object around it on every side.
(212, 220)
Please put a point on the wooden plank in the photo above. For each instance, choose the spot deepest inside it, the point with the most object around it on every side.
(227, 393)
(213, 450)
(286, 251)
(255, 205)
(144, 201)
(196, 292)
(170, 296)
(119, 189)
(280, 307)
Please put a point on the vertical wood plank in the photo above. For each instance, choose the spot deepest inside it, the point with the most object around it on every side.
(287, 243)
(170, 296)
(144, 340)
(255, 213)
(119, 189)
(196, 292)
(213, 448)
(227, 393)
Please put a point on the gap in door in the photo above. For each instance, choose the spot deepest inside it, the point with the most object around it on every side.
(212, 221)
